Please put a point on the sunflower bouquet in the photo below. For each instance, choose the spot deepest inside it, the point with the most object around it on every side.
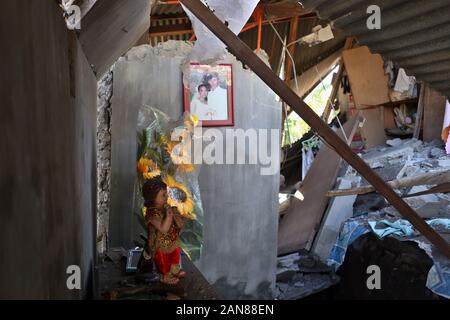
(161, 157)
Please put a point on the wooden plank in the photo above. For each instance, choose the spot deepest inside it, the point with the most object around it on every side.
(428, 178)
(389, 117)
(309, 79)
(298, 226)
(170, 30)
(369, 83)
(336, 83)
(247, 56)
(434, 112)
(293, 31)
(283, 9)
(392, 103)
(420, 108)
(372, 132)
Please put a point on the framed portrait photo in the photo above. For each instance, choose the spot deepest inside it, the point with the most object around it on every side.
(209, 94)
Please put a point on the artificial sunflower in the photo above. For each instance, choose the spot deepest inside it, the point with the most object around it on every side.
(180, 155)
(191, 120)
(185, 167)
(179, 197)
(144, 212)
(163, 139)
(181, 162)
(169, 147)
(148, 168)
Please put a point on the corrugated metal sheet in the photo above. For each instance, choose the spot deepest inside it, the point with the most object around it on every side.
(414, 33)
(305, 57)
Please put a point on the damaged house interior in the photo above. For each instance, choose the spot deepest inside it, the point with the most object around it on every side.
(225, 150)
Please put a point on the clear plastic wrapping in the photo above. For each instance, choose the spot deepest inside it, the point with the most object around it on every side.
(163, 152)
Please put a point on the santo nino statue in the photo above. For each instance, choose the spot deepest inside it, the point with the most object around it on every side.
(164, 224)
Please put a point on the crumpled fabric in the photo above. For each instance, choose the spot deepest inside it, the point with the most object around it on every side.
(403, 227)
(208, 48)
(399, 228)
(438, 279)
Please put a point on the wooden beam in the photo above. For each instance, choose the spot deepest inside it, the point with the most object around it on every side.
(441, 188)
(419, 117)
(170, 30)
(336, 83)
(174, 16)
(433, 114)
(299, 226)
(293, 31)
(429, 178)
(312, 77)
(283, 9)
(288, 66)
(173, 30)
(248, 57)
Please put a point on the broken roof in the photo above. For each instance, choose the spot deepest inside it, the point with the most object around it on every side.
(169, 22)
(414, 33)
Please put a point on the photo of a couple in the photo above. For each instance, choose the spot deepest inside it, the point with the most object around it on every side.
(209, 94)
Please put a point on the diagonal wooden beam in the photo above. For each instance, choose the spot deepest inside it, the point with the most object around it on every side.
(336, 83)
(247, 56)
(293, 31)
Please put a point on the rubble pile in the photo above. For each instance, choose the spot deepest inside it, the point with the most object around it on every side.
(402, 159)
(302, 274)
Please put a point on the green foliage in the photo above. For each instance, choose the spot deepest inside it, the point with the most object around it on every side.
(295, 127)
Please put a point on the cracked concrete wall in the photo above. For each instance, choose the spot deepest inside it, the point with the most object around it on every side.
(104, 94)
(240, 205)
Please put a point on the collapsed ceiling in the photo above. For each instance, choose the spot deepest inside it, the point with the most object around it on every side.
(414, 33)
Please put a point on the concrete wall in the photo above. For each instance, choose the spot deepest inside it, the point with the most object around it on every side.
(240, 205)
(47, 153)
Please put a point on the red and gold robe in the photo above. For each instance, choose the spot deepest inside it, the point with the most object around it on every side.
(165, 247)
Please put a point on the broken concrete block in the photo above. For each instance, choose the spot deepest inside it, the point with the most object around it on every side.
(394, 142)
(339, 210)
(414, 143)
(425, 198)
(411, 171)
(403, 150)
(376, 165)
(437, 152)
(285, 276)
(436, 143)
(444, 163)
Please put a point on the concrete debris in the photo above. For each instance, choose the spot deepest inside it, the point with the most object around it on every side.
(376, 165)
(339, 210)
(437, 152)
(411, 171)
(303, 285)
(395, 142)
(393, 153)
(444, 163)
(302, 274)
(406, 159)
